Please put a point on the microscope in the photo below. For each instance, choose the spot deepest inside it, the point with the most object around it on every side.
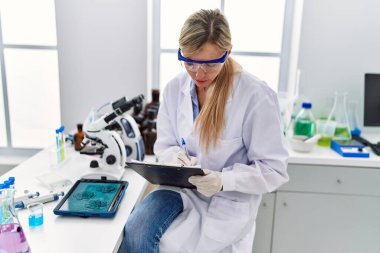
(118, 139)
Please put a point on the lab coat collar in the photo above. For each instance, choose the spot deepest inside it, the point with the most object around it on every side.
(185, 87)
(185, 111)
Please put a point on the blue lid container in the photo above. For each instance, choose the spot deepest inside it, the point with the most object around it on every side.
(306, 105)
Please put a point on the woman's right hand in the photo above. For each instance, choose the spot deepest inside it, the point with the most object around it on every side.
(182, 158)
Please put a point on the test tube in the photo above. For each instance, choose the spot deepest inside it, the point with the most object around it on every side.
(57, 137)
(62, 148)
(1, 209)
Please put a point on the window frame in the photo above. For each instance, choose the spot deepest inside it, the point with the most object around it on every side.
(9, 150)
(283, 55)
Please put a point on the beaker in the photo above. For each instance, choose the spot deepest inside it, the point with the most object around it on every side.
(12, 237)
(339, 115)
(326, 129)
(36, 215)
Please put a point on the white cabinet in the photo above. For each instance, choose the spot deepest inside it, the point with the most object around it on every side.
(322, 209)
(264, 224)
(315, 223)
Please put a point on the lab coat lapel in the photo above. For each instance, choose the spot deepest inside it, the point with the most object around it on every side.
(185, 112)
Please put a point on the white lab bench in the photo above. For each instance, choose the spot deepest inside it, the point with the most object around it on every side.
(331, 204)
(72, 234)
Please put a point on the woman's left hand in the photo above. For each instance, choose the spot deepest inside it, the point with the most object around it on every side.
(209, 184)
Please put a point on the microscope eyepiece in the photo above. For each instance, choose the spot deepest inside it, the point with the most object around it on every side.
(122, 105)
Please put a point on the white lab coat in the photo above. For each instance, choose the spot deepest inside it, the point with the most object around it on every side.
(250, 154)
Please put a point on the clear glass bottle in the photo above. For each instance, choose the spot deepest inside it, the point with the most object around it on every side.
(12, 237)
(339, 115)
(305, 122)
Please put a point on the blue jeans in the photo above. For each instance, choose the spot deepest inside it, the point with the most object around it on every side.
(149, 221)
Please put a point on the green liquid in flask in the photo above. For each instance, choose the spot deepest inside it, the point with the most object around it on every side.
(342, 133)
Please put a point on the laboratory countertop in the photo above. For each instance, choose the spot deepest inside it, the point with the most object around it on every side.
(328, 157)
(71, 234)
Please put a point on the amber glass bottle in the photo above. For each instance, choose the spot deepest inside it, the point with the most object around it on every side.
(154, 104)
(138, 115)
(149, 134)
(78, 138)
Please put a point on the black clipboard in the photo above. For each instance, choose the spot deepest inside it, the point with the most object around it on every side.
(166, 174)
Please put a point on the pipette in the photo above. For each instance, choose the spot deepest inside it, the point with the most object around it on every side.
(43, 199)
(27, 196)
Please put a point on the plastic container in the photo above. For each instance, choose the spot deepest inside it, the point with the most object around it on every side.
(304, 122)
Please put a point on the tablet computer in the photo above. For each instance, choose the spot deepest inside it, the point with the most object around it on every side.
(166, 174)
(92, 197)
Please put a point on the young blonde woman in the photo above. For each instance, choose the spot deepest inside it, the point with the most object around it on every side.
(230, 122)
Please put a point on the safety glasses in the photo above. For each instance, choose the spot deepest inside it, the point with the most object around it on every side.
(207, 66)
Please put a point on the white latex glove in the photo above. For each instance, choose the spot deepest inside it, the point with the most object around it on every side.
(209, 184)
(182, 158)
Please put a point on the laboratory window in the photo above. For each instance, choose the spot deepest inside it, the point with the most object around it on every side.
(260, 32)
(29, 83)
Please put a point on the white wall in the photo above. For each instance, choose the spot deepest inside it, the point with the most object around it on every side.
(340, 41)
(102, 48)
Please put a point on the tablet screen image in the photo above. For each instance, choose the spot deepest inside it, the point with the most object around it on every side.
(92, 198)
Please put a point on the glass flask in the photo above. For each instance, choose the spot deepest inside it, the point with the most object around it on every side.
(12, 237)
(353, 118)
(305, 121)
(339, 115)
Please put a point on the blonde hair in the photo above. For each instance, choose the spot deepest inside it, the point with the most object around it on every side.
(202, 27)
